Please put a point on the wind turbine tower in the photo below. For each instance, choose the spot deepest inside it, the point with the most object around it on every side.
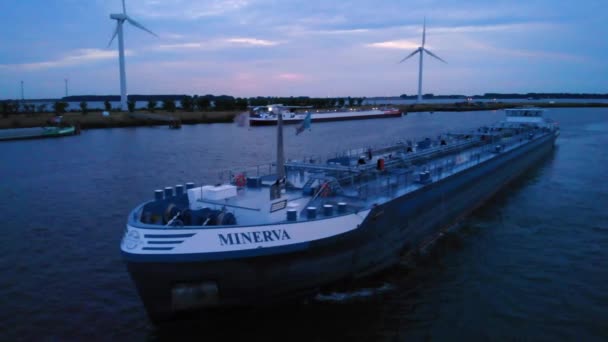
(421, 50)
(120, 20)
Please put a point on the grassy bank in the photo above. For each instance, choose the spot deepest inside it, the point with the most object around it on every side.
(119, 119)
(474, 106)
(97, 120)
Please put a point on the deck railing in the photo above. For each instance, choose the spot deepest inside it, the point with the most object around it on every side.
(408, 162)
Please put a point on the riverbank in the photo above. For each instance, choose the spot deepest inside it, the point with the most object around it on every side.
(123, 119)
(474, 106)
(116, 119)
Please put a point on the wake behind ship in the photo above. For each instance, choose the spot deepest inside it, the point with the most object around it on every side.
(283, 233)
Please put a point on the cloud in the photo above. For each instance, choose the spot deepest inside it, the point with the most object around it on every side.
(251, 41)
(514, 52)
(81, 56)
(218, 44)
(183, 46)
(172, 36)
(515, 27)
(350, 31)
(395, 44)
(188, 10)
(322, 19)
(290, 76)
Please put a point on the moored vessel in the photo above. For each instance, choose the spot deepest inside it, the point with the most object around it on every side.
(38, 132)
(268, 115)
(282, 232)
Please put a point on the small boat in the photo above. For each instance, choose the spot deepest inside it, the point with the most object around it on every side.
(283, 231)
(267, 115)
(38, 132)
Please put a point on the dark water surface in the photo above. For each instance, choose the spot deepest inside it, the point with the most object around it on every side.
(531, 264)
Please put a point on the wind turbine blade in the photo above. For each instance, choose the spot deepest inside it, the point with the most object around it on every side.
(124, 8)
(114, 35)
(140, 26)
(410, 55)
(434, 55)
(423, 31)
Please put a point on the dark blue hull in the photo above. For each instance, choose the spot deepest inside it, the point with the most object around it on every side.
(391, 230)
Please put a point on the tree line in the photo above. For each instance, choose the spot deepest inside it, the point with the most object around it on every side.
(542, 96)
(171, 103)
(209, 102)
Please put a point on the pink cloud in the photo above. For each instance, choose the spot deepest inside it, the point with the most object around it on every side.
(291, 77)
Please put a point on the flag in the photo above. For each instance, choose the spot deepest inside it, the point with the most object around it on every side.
(275, 189)
(305, 124)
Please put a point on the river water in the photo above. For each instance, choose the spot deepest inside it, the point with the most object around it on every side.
(530, 264)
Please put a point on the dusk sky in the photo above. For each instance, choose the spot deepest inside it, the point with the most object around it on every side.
(312, 48)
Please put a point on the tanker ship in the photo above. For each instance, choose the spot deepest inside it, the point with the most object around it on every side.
(268, 115)
(282, 232)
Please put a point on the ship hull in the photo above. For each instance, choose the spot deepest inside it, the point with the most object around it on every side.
(391, 230)
(28, 134)
(253, 121)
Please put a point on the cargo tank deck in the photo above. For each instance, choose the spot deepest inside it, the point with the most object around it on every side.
(347, 183)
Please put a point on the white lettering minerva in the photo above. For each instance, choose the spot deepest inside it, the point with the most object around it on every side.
(253, 237)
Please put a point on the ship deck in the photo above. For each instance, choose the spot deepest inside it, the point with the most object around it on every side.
(342, 115)
(358, 179)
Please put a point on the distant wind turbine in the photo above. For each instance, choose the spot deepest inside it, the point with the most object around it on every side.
(120, 19)
(420, 50)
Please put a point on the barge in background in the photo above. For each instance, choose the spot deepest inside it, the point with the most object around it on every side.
(268, 115)
(265, 238)
(38, 132)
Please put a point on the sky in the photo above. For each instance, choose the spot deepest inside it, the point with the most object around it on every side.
(328, 48)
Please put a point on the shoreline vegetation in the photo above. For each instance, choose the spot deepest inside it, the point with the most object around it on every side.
(263, 100)
(95, 119)
(223, 109)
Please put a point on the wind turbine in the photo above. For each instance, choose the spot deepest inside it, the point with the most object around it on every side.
(420, 50)
(120, 19)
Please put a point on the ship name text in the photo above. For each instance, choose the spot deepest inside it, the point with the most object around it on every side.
(245, 238)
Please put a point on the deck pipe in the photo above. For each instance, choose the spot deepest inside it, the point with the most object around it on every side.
(328, 209)
(342, 207)
(292, 214)
(168, 192)
(311, 212)
(179, 190)
(189, 185)
(158, 195)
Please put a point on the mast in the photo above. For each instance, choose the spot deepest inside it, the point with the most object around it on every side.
(280, 151)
